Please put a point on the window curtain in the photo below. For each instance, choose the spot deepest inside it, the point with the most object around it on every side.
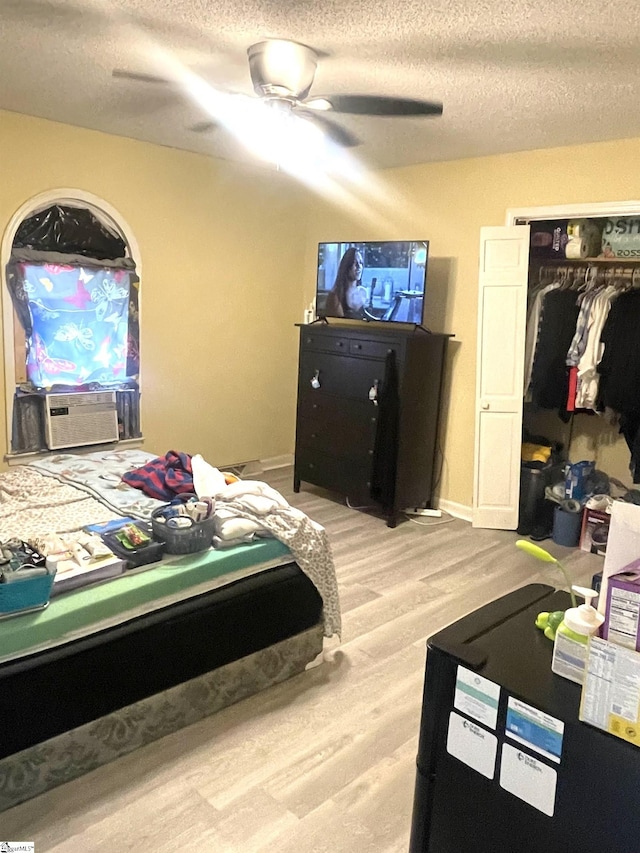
(79, 324)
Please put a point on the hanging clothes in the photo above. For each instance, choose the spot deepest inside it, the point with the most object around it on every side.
(619, 367)
(549, 376)
(588, 376)
(619, 371)
(534, 313)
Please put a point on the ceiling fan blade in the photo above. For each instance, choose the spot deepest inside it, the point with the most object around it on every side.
(203, 126)
(139, 77)
(376, 105)
(338, 134)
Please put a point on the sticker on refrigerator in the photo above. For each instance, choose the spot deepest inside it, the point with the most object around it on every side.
(528, 779)
(473, 745)
(477, 697)
(533, 728)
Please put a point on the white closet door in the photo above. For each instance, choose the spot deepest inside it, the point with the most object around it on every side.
(502, 308)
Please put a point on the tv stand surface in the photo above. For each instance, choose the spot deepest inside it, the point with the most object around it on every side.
(367, 322)
(342, 433)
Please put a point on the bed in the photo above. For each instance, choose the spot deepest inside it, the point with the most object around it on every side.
(110, 667)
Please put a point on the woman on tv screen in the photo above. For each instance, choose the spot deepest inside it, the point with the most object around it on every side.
(347, 298)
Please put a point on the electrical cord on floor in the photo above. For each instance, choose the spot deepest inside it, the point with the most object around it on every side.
(431, 523)
(367, 506)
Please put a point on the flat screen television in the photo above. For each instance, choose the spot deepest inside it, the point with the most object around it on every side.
(382, 281)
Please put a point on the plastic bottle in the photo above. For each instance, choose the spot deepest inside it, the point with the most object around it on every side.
(572, 637)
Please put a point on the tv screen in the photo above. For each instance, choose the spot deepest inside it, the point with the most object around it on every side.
(383, 281)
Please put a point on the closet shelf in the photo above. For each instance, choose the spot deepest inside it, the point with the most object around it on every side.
(598, 260)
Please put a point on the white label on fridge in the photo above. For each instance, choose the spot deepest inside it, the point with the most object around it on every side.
(472, 745)
(539, 731)
(528, 779)
(477, 697)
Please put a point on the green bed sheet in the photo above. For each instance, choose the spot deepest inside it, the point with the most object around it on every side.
(79, 610)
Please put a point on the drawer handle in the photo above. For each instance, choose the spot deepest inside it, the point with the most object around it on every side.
(315, 382)
(313, 435)
(358, 346)
(311, 465)
(340, 344)
(373, 392)
(370, 452)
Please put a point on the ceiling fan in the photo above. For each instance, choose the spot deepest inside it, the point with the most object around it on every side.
(282, 73)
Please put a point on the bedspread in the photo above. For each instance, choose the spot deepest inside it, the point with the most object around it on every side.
(307, 540)
(100, 474)
(32, 504)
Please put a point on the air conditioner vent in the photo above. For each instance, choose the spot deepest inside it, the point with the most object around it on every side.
(75, 420)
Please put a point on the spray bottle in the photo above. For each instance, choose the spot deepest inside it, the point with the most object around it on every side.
(572, 637)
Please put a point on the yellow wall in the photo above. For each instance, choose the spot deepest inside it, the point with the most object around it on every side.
(222, 249)
(229, 256)
(448, 203)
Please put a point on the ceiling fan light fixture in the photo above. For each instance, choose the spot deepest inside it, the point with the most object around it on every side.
(283, 67)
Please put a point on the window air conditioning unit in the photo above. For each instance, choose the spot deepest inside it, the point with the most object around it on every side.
(74, 420)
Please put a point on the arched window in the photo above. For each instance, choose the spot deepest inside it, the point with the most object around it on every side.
(71, 279)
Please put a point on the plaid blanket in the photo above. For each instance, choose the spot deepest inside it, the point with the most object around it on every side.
(163, 477)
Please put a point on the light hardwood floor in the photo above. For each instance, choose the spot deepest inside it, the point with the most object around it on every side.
(324, 762)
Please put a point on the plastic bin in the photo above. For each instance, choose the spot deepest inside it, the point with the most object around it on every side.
(566, 527)
(187, 540)
(30, 594)
(533, 482)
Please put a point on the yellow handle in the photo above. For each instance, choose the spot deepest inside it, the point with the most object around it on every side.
(535, 551)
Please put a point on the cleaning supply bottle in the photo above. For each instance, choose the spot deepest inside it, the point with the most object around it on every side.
(572, 637)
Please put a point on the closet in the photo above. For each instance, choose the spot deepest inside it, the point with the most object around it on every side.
(582, 275)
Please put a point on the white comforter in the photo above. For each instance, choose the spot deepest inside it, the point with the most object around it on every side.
(251, 508)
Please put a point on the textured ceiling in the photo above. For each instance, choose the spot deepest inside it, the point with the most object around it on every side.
(510, 76)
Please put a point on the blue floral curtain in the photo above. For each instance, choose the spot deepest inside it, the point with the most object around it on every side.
(79, 324)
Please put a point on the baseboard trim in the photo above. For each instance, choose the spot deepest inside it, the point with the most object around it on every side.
(272, 462)
(455, 509)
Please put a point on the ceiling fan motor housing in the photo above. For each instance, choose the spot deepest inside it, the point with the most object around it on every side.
(281, 68)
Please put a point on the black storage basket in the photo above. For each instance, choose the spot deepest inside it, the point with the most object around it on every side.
(183, 540)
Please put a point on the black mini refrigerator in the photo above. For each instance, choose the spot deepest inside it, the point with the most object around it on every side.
(504, 765)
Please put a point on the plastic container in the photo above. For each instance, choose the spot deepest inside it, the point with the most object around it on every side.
(135, 557)
(572, 637)
(30, 594)
(533, 509)
(566, 527)
(186, 540)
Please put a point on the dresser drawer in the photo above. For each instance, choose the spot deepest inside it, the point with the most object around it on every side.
(348, 478)
(373, 349)
(325, 343)
(344, 437)
(342, 376)
(326, 410)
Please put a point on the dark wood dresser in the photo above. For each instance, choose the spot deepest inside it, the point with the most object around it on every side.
(368, 410)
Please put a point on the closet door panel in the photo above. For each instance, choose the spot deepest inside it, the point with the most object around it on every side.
(497, 487)
(504, 263)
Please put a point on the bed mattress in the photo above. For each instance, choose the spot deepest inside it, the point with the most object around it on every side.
(51, 691)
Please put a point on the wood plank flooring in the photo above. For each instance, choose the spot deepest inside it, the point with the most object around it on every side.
(325, 762)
